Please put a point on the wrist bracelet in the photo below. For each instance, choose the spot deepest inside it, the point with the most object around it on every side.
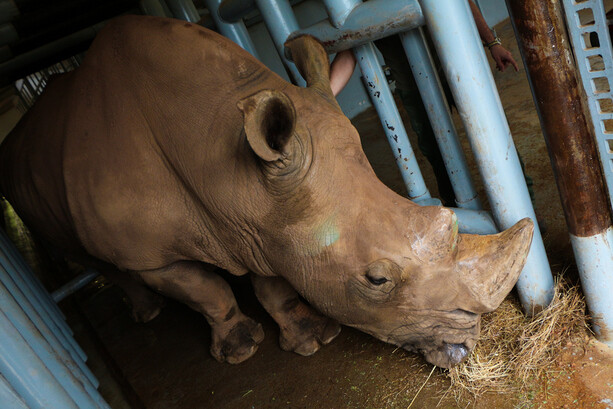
(493, 43)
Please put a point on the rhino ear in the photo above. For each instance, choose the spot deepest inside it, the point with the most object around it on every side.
(270, 120)
(312, 61)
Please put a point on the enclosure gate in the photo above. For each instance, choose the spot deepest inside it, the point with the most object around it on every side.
(41, 365)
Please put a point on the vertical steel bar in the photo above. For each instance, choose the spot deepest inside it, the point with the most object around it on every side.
(457, 42)
(9, 398)
(382, 99)
(27, 374)
(80, 390)
(236, 32)
(50, 336)
(184, 10)
(281, 22)
(572, 149)
(437, 107)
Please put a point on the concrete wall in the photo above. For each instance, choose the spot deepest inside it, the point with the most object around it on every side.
(353, 99)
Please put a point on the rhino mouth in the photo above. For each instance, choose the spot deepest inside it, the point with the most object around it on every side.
(445, 356)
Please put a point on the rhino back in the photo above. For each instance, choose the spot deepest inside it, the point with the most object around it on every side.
(150, 140)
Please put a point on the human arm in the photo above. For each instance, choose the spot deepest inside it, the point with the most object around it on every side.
(340, 70)
(501, 55)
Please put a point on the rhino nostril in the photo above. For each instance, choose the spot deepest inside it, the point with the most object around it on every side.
(456, 352)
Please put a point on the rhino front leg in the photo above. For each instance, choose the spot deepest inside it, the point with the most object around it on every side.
(303, 330)
(235, 337)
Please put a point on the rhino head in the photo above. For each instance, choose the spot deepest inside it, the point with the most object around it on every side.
(356, 250)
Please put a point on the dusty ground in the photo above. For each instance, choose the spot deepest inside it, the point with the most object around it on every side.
(168, 365)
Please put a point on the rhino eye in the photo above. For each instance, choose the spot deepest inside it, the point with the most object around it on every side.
(376, 280)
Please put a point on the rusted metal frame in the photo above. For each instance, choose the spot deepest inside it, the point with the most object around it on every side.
(457, 42)
(366, 22)
(572, 149)
(236, 31)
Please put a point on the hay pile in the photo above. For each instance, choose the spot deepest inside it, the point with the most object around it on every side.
(514, 352)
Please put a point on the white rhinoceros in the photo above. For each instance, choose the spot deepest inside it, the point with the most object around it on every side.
(171, 152)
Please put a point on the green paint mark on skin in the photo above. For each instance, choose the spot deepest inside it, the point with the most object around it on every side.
(327, 234)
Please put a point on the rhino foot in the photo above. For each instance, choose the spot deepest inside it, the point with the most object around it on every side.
(304, 331)
(237, 343)
(146, 309)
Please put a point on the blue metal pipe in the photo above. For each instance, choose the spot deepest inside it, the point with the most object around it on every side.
(9, 398)
(475, 221)
(27, 374)
(74, 285)
(281, 22)
(367, 22)
(40, 299)
(233, 11)
(45, 328)
(28, 277)
(457, 42)
(236, 32)
(184, 10)
(383, 101)
(155, 8)
(54, 357)
(594, 256)
(437, 107)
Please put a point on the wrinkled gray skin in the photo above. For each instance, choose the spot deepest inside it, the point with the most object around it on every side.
(171, 152)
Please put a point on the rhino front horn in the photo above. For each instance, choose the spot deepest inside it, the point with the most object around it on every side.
(490, 265)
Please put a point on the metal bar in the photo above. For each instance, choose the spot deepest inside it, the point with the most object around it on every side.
(475, 221)
(383, 101)
(53, 356)
(74, 285)
(236, 32)
(437, 107)
(367, 22)
(457, 42)
(38, 297)
(46, 327)
(9, 398)
(27, 374)
(281, 22)
(232, 11)
(184, 10)
(155, 8)
(572, 148)
(28, 280)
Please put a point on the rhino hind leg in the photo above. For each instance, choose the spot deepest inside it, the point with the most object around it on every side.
(235, 337)
(144, 303)
(302, 329)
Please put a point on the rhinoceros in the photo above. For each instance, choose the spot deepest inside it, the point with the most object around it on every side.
(171, 153)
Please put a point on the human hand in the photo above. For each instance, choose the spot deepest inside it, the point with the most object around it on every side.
(503, 58)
